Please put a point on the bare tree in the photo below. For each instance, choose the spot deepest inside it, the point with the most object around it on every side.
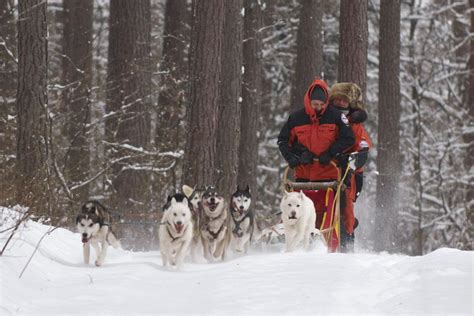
(77, 78)
(174, 71)
(128, 96)
(251, 94)
(32, 136)
(8, 82)
(353, 42)
(469, 139)
(228, 137)
(388, 160)
(205, 74)
(309, 50)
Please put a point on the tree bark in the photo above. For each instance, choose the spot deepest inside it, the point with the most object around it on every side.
(174, 70)
(8, 85)
(128, 92)
(252, 86)
(205, 71)
(309, 50)
(77, 77)
(469, 138)
(228, 137)
(32, 136)
(388, 159)
(353, 42)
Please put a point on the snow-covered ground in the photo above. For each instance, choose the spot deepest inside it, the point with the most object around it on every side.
(267, 281)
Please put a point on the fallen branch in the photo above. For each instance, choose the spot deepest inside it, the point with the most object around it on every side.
(24, 218)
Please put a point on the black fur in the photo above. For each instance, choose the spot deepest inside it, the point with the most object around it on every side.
(179, 197)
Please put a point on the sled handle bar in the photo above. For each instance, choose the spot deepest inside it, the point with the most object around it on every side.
(311, 185)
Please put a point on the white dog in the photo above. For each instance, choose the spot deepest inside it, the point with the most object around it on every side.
(299, 218)
(94, 224)
(176, 231)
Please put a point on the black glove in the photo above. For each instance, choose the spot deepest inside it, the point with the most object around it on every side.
(358, 116)
(293, 161)
(307, 157)
(325, 158)
(342, 160)
(298, 149)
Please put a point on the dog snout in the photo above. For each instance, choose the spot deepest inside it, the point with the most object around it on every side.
(293, 213)
(213, 200)
(179, 223)
(241, 207)
(84, 235)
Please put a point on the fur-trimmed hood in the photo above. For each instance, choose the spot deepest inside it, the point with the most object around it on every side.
(350, 92)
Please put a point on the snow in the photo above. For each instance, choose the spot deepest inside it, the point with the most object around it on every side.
(266, 281)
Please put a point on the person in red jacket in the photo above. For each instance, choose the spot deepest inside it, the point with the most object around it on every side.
(315, 131)
(347, 97)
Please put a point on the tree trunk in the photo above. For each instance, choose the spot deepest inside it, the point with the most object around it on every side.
(32, 138)
(128, 92)
(309, 50)
(228, 137)
(388, 159)
(469, 138)
(77, 77)
(174, 70)
(252, 86)
(353, 42)
(8, 84)
(205, 71)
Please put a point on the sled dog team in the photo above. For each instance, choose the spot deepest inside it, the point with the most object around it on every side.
(200, 221)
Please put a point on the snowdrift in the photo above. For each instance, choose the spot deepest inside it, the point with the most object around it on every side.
(267, 281)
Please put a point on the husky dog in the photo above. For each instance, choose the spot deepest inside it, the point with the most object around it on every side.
(194, 195)
(176, 231)
(299, 218)
(94, 223)
(242, 223)
(215, 231)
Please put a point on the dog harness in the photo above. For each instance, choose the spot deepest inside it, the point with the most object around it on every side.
(173, 239)
(237, 223)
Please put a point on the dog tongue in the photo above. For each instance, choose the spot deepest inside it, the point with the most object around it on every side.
(178, 228)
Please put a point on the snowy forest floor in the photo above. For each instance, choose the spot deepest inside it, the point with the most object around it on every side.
(266, 281)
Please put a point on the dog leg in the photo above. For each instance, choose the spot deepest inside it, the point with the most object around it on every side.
(181, 254)
(164, 258)
(206, 249)
(86, 249)
(95, 245)
(103, 253)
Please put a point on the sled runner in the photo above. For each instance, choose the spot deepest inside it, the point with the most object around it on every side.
(326, 199)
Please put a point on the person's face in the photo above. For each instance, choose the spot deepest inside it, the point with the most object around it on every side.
(341, 103)
(318, 105)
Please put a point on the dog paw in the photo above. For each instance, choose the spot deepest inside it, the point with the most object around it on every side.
(98, 263)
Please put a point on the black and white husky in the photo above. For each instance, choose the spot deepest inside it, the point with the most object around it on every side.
(242, 224)
(215, 230)
(94, 223)
(176, 230)
(194, 195)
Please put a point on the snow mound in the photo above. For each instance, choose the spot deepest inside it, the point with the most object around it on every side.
(56, 282)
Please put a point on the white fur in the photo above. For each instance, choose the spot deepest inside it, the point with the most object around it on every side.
(242, 243)
(196, 244)
(299, 228)
(174, 244)
(214, 222)
(98, 237)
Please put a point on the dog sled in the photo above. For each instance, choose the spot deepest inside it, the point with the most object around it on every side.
(326, 198)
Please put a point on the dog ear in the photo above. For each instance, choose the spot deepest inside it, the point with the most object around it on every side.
(302, 195)
(238, 187)
(285, 193)
(173, 201)
(247, 189)
(187, 190)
